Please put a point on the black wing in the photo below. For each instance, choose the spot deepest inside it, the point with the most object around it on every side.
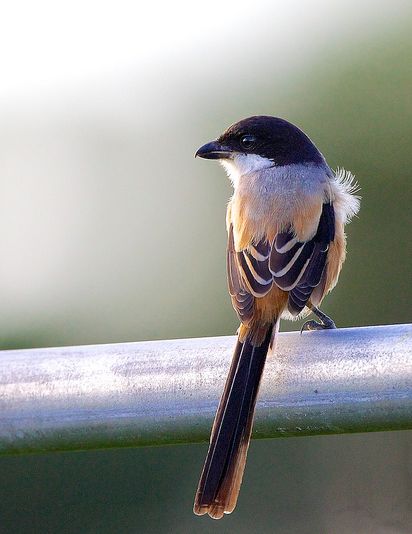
(298, 266)
(242, 299)
(293, 265)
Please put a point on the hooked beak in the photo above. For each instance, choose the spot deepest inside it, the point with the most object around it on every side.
(214, 150)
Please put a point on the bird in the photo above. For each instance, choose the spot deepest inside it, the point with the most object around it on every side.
(286, 246)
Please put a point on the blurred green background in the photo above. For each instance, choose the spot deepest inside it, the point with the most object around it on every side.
(110, 231)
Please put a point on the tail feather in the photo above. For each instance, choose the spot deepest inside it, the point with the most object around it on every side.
(225, 461)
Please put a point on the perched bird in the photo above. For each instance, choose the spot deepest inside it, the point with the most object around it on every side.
(286, 247)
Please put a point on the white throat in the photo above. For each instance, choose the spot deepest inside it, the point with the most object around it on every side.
(242, 164)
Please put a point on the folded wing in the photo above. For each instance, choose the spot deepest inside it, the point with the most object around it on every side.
(294, 266)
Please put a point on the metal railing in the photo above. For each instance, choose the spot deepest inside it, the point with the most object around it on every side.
(159, 392)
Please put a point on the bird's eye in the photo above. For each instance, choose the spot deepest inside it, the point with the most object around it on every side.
(248, 141)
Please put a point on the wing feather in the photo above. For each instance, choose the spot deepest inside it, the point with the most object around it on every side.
(294, 266)
(242, 299)
(313, 275)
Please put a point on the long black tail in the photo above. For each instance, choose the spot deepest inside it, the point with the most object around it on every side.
(225, 461)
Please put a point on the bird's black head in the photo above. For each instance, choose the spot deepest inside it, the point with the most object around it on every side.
(269, 137)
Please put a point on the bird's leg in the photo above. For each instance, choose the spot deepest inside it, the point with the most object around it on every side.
(324, 322)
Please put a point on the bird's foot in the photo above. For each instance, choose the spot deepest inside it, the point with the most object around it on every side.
(315, 325)
(324, 323)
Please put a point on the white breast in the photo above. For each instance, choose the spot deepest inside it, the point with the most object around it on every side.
(276, 192)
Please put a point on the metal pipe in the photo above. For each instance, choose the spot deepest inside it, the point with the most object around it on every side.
(159, 392)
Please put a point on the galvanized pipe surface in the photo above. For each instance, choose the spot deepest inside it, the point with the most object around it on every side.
(159, 392)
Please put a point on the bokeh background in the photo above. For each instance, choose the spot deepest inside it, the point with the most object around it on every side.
(110, 231)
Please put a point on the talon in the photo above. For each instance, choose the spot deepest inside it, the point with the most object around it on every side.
(310, 325)
(314, 325)
(325, 323)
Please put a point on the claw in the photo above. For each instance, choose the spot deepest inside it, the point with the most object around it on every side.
(325, 324)
(311, 325)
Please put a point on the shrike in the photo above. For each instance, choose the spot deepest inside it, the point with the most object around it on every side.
(286, 247)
